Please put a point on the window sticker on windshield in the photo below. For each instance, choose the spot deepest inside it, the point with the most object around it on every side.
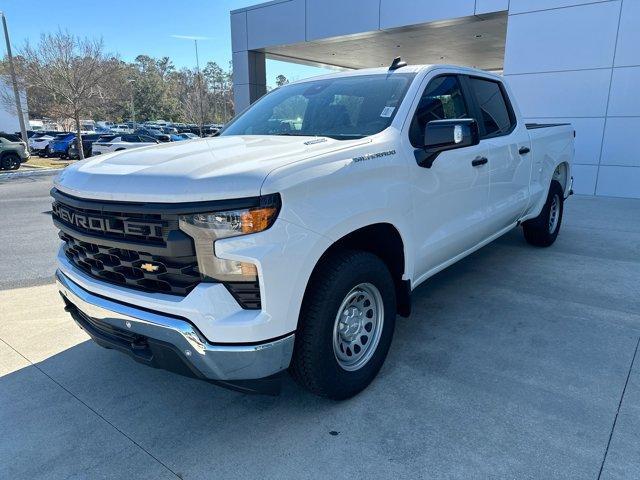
(387, 112)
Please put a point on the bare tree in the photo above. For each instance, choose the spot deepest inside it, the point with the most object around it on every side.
(71, 70)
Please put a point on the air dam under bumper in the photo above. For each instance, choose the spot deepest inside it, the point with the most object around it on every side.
(168, 342)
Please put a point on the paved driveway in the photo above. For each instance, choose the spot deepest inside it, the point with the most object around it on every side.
(516, 363)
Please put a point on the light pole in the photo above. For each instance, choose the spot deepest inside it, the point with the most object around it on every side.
(14, 80)
(198, 76)
(133, 110)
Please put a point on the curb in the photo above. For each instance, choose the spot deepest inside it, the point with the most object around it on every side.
(30, 173)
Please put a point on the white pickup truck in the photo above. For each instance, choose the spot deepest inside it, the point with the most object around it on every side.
(293, 239)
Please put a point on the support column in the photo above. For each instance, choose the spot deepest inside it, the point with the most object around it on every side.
(249, 78)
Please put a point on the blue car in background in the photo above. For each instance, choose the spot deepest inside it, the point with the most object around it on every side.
(59, 146)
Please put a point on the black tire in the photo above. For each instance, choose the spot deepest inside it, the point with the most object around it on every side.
(315, 365)
(14, 161)
(538, 231)
(10, 161)
(46, 152)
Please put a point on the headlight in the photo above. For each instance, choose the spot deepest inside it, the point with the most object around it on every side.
(206, 228)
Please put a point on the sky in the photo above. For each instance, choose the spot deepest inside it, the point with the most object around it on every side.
(135, 27)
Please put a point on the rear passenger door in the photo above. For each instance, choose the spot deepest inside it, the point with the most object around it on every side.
(509, 163)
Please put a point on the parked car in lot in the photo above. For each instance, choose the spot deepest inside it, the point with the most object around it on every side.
(87, 144)
(13, 151)
(121, 128)
(59, 146)
(209, 130)
(188, 136)
(150, 132)
(122, 142)
(39, 144)
(293, 245)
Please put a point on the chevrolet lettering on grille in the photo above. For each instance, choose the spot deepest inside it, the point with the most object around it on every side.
(105, 224)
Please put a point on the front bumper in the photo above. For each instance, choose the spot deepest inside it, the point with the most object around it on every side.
(170, 342)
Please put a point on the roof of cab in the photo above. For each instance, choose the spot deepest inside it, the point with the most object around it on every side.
(407, 69)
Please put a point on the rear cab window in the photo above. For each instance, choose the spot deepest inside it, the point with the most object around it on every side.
(495, 114)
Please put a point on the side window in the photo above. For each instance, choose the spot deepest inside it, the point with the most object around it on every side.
(494, 112)
(442, 99)
(129, 138)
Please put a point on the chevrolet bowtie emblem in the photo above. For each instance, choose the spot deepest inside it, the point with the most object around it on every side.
(149, 267)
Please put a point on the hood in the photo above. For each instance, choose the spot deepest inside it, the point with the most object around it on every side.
(190, 171)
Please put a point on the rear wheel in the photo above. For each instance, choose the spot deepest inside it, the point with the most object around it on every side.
(543, 230)
(346, 325)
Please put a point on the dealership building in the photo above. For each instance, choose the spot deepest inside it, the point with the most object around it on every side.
(566, 60)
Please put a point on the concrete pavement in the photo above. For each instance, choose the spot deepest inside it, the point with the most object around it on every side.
(516, 363)
(28, 238)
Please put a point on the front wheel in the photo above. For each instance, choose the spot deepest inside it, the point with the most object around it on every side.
(346, 325)
(10, 161)
(543, 230)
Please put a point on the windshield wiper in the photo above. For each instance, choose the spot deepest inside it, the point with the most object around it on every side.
(335, 136)
(346, 136)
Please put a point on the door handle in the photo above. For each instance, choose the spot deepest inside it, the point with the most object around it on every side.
(524, 150)
(479, 161)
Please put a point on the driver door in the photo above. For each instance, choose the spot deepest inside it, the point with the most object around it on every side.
(450, 198)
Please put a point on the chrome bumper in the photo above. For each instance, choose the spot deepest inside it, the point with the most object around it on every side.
(158, 333)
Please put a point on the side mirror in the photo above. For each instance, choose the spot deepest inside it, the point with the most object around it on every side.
(443, 135)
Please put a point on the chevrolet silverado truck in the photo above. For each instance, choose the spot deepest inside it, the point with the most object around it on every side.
(294, 238)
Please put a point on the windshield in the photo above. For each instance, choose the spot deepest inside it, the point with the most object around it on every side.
(341, 108)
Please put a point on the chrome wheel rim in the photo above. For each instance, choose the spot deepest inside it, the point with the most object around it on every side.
(554, 213)
(358, 326)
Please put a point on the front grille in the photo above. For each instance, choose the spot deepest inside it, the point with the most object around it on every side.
(139, 245)
(114, 224)
(176, 276)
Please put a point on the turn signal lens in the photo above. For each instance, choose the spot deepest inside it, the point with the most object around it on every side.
(257, 220)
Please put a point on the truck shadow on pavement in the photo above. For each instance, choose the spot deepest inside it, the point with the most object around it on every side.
(505, 368)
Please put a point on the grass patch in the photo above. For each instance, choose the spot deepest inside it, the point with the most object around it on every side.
(39, 162)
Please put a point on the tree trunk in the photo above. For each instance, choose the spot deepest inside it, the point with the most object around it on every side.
(79, 137)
